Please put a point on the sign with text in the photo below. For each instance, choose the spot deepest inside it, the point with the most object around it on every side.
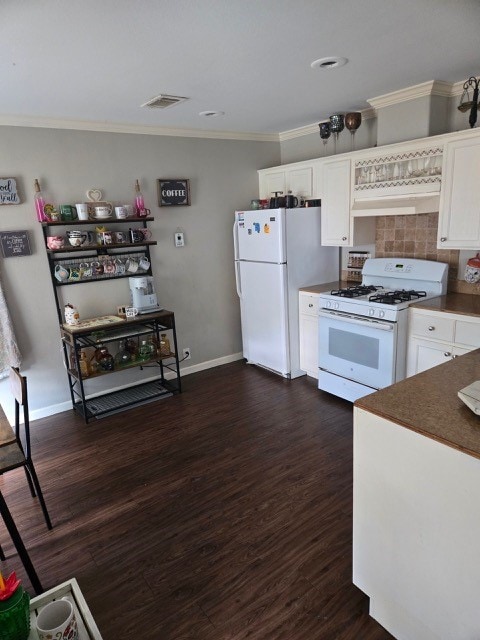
(8, 191)
(173, 192)
(15, 243)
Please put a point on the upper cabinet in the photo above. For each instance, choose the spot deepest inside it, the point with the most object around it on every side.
(297, 179)
(401, 183)
(459, 219)
(335, 189)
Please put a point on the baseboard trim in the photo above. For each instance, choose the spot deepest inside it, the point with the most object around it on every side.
(44, 412)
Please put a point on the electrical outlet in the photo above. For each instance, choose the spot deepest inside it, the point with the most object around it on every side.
(187, 354)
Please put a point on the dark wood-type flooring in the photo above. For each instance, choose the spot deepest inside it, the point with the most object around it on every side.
(223, 513)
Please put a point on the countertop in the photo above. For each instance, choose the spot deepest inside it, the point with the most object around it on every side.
(428, 403)
(327, 286)
(462, 303)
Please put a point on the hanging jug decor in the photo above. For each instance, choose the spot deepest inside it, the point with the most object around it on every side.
(325, 133)
(353, 121)
(337, 125)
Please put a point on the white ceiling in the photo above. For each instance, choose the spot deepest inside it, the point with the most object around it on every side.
(99, 60)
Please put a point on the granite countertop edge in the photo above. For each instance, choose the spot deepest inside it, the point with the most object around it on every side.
(428, 404)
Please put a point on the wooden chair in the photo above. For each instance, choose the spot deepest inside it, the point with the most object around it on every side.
(15, 449)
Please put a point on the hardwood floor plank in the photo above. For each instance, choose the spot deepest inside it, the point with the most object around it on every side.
(223, 513)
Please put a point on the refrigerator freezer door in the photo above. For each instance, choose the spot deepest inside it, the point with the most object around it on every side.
(264, 315)
(260, 235)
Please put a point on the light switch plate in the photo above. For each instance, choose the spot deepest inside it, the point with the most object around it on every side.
(179, 239)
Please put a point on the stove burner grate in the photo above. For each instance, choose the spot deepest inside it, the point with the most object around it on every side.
(396, 297)
(354, 292)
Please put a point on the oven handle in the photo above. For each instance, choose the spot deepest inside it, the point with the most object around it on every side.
(345, 317)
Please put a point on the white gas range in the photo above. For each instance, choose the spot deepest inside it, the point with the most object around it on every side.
(363, 329)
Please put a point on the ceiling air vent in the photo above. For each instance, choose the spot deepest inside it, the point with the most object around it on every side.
(163, 101)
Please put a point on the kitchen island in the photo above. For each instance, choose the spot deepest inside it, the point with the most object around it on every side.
(416, 517)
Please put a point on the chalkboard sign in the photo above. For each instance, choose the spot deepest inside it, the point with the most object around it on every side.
(15, 243)
(8, 191)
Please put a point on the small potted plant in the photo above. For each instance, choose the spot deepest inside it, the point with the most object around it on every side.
(14, 609)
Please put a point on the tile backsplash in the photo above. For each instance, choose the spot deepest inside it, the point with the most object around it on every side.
(415, 236)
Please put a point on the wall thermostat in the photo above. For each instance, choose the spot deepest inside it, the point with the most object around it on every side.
(179, 239)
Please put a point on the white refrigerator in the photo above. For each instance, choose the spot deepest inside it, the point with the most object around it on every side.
(278, 251)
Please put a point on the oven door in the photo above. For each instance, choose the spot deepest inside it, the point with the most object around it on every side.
(357, 348)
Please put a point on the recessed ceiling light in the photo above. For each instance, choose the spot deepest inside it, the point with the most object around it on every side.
(211, 114)
(332, 62)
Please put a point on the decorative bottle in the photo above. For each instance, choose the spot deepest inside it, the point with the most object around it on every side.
(146, 350)
(139, 200)
(164, 347)
(43, 204)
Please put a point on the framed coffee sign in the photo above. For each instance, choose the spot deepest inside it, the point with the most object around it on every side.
(8, 191)
(15, 243)
(173, 192)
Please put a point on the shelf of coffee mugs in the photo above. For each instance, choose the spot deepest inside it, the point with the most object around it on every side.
(73, 223)
(102, 247)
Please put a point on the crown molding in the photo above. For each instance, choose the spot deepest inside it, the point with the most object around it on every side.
(85, 125)
(313, 128)
(431, 88)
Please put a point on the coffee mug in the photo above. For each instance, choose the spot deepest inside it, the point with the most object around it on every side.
(61, 273)
(76, 238)
(86, 269)
(131, 265)
(68, 212)
(146, 233)
(136, 235)
(121, 213)
(105, 211)
(109, 267)
(55, 242)
(106, 237)
(119, 267)
(144, 263)
(97, 268)
(130, 209)
(74, 274)
(57, 620)
(131, 312)
(120, 237)
(143, 213)
(82, 211)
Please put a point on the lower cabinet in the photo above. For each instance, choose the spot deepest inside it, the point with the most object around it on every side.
(436, 337)
(308, 322)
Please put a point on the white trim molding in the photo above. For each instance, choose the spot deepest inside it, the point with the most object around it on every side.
(430, 88)
(313, 128)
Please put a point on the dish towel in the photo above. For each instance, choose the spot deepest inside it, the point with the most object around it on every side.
(9, 352)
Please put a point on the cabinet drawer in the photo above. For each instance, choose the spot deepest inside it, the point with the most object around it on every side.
(435, 327)
(467, 333)
(308, 303)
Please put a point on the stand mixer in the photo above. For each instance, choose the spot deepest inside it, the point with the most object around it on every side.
(142, 294)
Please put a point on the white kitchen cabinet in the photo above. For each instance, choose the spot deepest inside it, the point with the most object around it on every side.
(308, 322)
(296, 178)
(436, 337)
(339, 228)
(459, 214)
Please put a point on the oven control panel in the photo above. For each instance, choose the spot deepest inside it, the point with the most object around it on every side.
(398, 267)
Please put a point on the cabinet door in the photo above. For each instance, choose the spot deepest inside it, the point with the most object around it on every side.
(271, 182)
(309, 344)
(425, 354)
(336, 203)
(300, 182)
(459, 219)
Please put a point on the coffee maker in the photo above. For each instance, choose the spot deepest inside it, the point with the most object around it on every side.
(142, 294)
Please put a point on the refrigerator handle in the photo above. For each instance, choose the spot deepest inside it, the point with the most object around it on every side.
(235, 240)
(237, 278)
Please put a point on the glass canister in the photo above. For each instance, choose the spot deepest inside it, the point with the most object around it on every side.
(124, 356)
(164, 346)
(104, 358)
(146, 350)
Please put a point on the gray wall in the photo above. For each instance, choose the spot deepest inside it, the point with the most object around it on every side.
(196, 282)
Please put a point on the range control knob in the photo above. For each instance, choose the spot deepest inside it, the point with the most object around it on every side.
(381, 313)
(336, 305)
(371, 312)
(328, 304)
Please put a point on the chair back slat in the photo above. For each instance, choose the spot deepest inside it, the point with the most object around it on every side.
(18, 386)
